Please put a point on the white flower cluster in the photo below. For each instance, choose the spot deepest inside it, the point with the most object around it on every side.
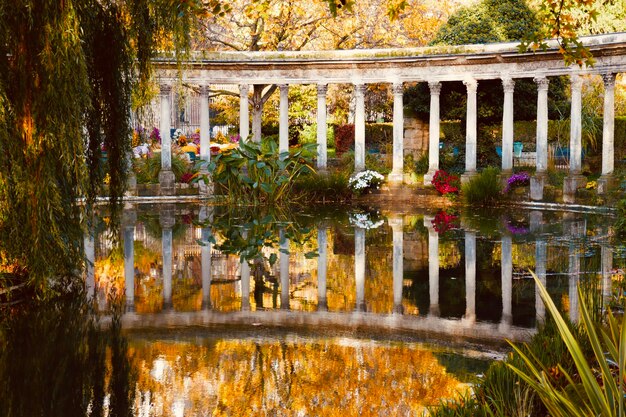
(365, 179)
(363, 221)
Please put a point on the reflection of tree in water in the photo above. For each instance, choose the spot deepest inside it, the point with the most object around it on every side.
(55, 360)
(264, 283)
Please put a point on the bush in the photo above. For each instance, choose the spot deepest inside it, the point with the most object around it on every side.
(379, 163)
(147, 170)
(483, 189)
(445, 183)
(323, 188)
(308, 134)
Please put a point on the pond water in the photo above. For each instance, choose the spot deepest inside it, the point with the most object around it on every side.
(353, 312)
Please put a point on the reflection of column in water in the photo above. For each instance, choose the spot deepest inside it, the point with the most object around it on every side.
(541, 256)
(606, 254)
(506, 263)
(359, 267)
(90, 259)
(205, 253)
(433, 267)
(398, 266)
(322, 267)
(284, 271)
(129, 265)
(167, 267)
(245, 286)
(470, 276)
(574, 273)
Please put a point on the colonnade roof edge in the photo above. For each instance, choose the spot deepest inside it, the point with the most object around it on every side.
(450, 63)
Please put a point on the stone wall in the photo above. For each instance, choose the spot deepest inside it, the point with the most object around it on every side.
(415, 136)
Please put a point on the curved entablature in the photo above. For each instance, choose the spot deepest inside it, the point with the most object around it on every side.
(440, 63)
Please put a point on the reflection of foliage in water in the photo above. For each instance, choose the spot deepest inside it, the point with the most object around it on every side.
(53, 361)
(246, 232)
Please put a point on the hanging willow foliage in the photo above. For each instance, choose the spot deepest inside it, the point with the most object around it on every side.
(67, 70)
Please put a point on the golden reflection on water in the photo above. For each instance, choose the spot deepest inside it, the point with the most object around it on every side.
(290, 377)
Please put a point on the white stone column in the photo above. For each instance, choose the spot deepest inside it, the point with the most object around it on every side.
(508, 85)
(396, 224)
(541, 259)
(322, 140)
(471, 134)
(205, 252)
(433, 267)
(165, 92)
(575, 144)
(397, 172)
(359, 128)
(359, 267)
(284, 270)
(470, 277)
(574, 180)
(166, 176)
(538, 180)
(244, 112)
(608, 134)
(506, 263)
(245, 286)
(205, 138)
(283, 123)
(433, 132)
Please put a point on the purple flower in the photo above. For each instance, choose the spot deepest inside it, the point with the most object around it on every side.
(235, 138)
(522, 178)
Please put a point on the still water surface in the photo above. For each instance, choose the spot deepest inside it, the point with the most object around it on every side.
(229, 312)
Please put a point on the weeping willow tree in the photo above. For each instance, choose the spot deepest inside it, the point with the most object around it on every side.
(67, 70)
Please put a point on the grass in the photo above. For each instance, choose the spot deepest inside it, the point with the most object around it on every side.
(483, 189)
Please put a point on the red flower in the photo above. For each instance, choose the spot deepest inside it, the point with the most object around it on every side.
(445, 183)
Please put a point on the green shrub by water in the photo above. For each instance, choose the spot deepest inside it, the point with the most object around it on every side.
(483, 189)
(323, 188)
(147, 170)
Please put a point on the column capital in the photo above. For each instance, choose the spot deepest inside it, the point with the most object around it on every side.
(576, 81)
(435, 87)
(471, 84)
(204, 90)
(321, 89)
(165, 89)
(397, 88)
(508, 84)
(359, 89)
(244, 89)
(283, 86)
(542, 83)
(396, 223)
(609, 80)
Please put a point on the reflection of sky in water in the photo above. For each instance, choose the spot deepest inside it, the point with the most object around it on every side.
(292, 376)
(491, 293)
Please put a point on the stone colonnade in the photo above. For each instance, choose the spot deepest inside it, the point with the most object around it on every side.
(572, 182)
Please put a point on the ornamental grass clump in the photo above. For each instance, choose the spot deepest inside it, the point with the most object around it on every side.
(483, 189)
(365, 180)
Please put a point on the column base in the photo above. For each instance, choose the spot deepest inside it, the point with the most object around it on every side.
(537, 182)
(536, 220)
(206, 305)
(245, 306)
(205, 185)
(571, 184)
(167, 182)
(360, 307)
(467, 176)
(605, 183)
(129, 308)
(168, 306)
(398, 309)
(433, 310)
(428, 177)
(395, 178)
(322, 305)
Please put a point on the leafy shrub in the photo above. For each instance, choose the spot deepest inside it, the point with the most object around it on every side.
(308, 134)
(147, 170)
(445, 183)
(322, 188)
(256, 174)
(484, 188)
